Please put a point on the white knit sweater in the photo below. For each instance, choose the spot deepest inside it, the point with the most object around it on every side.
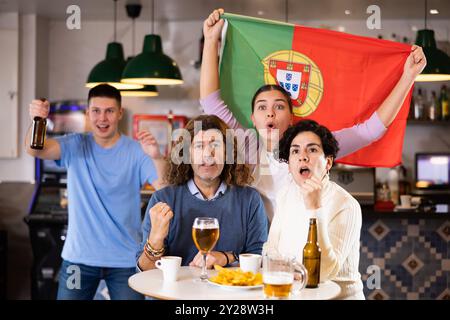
(339, 227)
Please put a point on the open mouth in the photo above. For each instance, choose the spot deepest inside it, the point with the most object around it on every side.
(103, 127)
(304, 172)
(270, 126)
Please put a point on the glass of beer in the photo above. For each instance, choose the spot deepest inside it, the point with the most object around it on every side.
(278, 276)
(205, 232)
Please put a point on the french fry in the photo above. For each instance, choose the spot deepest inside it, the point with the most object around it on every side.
(236, 277)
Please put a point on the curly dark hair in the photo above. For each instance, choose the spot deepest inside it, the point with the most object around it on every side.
(330, 145)
(232, 174)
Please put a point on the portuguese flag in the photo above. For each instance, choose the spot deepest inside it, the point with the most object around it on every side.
(335, 78)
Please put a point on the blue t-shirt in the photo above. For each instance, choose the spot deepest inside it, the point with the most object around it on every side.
(104, 200)
(240, 211)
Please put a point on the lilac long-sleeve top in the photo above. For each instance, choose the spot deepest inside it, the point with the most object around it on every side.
(271, 175)
(350, 139)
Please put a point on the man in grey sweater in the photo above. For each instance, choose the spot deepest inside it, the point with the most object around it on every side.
(203, 184)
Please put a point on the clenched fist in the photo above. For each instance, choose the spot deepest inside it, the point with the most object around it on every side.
(160, 216)
(212, 26)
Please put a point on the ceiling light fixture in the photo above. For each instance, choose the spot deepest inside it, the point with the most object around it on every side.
(134, 11)
(152, 66)
(110, 70)
(438, 62)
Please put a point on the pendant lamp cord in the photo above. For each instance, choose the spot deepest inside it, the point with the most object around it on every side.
(133, 35)
(153, 16)
(426, 8)
(115, 19)
(286, 11)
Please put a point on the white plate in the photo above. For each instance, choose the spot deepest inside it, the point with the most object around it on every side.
(235, 287)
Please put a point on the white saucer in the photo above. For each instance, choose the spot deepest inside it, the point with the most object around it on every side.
(413, 207)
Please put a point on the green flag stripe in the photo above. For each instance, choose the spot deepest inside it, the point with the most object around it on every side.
(248, 41)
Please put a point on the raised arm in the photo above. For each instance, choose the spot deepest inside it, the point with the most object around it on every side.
(414, 65)
(361, 135)
(51, 150)
(209, 74)
(210, 98)
(151, 147)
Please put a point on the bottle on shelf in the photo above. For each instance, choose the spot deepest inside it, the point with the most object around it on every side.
(432, 107)
(437, 104)
(443, 99)
(418, 105)
(311, 255)
(393, 37)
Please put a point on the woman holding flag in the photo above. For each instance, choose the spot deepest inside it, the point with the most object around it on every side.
(272, 114)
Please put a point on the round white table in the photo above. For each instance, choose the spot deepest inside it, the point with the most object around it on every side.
(188, 287)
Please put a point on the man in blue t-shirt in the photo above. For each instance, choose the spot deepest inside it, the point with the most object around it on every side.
(105, 172)
(205, 181)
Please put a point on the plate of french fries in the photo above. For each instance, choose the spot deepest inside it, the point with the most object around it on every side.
(235, 278)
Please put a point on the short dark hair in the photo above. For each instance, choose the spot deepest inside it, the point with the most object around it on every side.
(329, 143)
(270, 87)
(105, 91)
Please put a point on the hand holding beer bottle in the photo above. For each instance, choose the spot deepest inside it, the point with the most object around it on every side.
(39, 110)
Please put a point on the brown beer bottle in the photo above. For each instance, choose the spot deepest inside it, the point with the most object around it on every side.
(38, 132)
(311, 256)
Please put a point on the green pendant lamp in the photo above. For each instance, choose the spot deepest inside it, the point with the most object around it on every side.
(110, 70)
(134, 11)
(152, 66)
(145, 91)
(438, 63)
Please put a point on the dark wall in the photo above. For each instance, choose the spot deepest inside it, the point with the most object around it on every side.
(14, 200)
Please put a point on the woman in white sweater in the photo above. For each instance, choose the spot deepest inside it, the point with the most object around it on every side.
(310, 149)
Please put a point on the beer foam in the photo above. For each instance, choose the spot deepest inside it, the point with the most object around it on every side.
(203, 227)
(278, 278)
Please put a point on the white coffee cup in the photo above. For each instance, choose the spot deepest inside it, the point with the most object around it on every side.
(250, 262)
(170, 266)
(405, 201)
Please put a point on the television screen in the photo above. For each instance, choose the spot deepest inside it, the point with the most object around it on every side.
(433, 170)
